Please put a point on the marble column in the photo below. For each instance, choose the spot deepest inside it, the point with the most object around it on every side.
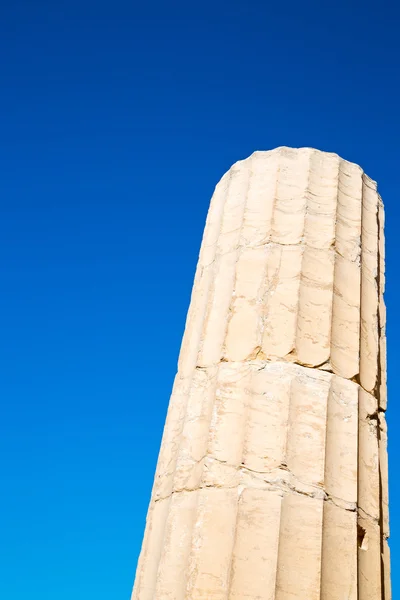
(271, 482)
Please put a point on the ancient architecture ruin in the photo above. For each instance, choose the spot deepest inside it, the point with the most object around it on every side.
(272, 476)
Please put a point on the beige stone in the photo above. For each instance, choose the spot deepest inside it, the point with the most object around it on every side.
(271, 482)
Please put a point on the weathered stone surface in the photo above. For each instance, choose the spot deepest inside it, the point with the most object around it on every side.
(272, 478)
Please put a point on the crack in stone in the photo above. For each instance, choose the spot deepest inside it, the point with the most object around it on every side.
(276, 484)
(262, 362)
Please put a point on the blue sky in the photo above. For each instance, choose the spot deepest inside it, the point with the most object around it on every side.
(117, 120)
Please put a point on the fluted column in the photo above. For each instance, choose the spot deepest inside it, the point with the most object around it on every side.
(271, 482)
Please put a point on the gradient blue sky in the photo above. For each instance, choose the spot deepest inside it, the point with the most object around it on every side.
(117, 120)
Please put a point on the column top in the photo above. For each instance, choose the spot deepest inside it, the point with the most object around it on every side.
(289, 152)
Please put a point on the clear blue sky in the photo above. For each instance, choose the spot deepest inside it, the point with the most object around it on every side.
(117, 120)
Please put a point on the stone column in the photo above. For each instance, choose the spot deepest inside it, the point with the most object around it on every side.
(271, 482)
